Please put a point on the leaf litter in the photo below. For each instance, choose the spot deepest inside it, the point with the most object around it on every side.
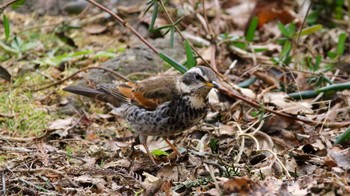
(87, 149)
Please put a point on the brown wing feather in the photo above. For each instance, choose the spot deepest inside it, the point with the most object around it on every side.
(148, 93)
(155, 91)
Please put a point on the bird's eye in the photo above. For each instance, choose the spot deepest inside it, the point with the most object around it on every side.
(198, 77)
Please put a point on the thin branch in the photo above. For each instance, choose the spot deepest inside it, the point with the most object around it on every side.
(180, 33)
(125, 24)
(4, 6)
(289, 116)
(302, 25)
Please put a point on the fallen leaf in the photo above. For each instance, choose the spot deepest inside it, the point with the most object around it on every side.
(341, 157)
(95, 29)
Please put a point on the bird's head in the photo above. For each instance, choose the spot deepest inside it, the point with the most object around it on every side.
(199, 80)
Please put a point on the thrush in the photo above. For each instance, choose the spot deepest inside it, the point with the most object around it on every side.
(158, 106)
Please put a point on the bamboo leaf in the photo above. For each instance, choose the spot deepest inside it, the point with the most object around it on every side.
(191, 61)
(343, 137)
(251, 29)
(154, 16)
(310, 30)
(178, 66)
(6, 26)
(341, 44)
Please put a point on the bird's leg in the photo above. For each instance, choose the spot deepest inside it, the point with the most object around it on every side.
(143, 140)
(149, 153)
(172, 146)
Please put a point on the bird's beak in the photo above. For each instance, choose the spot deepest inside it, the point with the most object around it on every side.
(212, 84)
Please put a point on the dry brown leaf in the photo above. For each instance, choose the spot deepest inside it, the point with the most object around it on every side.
(95, 29)
(340, 156)
(241, 185)
(280, 99)
(270, 10)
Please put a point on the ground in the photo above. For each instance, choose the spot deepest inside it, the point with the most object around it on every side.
(278, 126)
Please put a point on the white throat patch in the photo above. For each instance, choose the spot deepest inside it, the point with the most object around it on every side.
(197, 102)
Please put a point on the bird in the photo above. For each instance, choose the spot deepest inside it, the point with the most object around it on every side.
(160, 105)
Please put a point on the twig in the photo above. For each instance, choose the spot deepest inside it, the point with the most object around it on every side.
(15, 149)
(33, 185)
(258, 106)
(4, 6)
(180, 33)
(125, 24)
(278, 160)
(207, 26)
(15, 139)
(301, 27)
(212, 175)
(81, 70)
(319, 96)
(191, 45)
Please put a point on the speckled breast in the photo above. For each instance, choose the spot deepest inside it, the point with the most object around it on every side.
(168, 119)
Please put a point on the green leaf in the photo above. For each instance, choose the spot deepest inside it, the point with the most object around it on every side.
(251, 29)
(312, 17)
(283, 29)
(286, 49)
(162, 27)
(104, 54)
(178, 66)
(6, 26)
(154, 16)
(158, 153)
(331, 54)
(343, 137)
(291, 29)
(150, 4)
(341, 44)
(318, 61)
(334, 87)
(310, 30)
(303, 94)
(241, 45)
(18, 4)
(214, 145)
(247, 83)
(260, 49)
(29, 45)
(191, 61)
(8, 48)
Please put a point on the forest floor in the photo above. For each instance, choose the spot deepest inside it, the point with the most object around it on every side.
(286, 133)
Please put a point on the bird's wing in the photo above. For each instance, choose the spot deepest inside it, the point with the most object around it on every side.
(147, 94)
(151, 92)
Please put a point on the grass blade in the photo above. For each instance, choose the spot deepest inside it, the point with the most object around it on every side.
(343, 137)
(154, 16)
(6, 26)
(191, 61)
(341, 44)
(310, 30)
(251, 29)
(178, 66)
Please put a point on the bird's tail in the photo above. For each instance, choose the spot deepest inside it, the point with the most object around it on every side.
(104, 92)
